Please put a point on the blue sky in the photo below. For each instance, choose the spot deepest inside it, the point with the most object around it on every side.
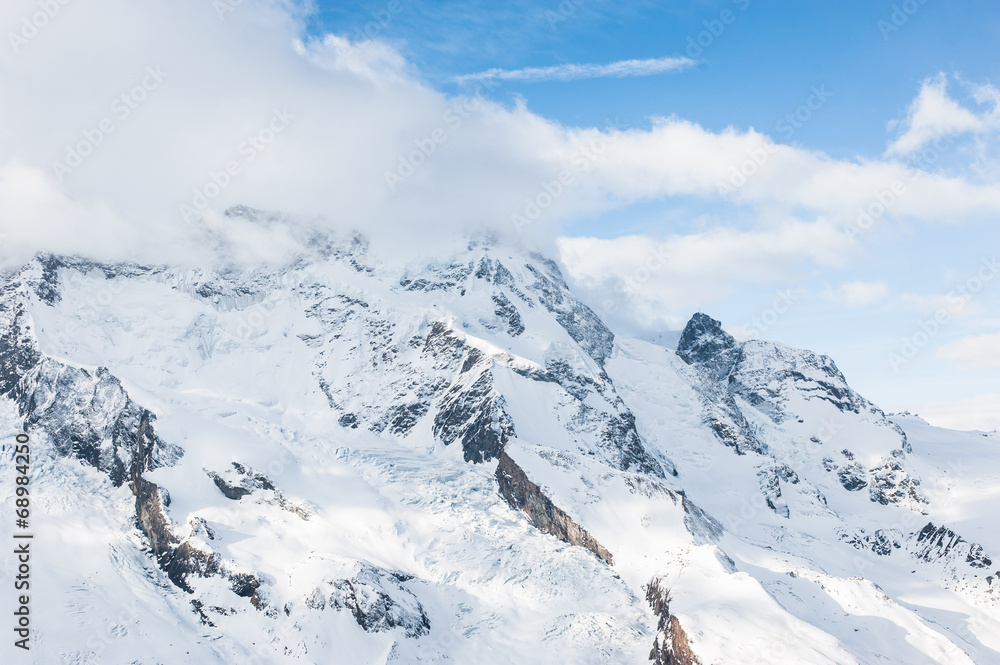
(759, 68)
(756, 62)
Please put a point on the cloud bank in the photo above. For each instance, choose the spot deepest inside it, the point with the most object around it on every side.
(136, 147)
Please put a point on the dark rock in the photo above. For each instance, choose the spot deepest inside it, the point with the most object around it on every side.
(378, 601)
(91, 418)
(620, 437)
(882, 542)
(977, 558)
(474, 415)
(403, 417)
(507, 312)
(522, 494)
(233, 492)
(671, 645)
(704, 342)
(891, 483)
(940, 542)
(852, 477)
(583, 326)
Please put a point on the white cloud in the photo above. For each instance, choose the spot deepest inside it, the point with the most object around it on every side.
(935, 114)
(981, 412)
(569, 72)
(644, 283)
(860, 294)
(361, 114)
(973, 352)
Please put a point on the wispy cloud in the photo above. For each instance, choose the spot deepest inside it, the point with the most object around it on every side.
(569, 72)
(935, 114)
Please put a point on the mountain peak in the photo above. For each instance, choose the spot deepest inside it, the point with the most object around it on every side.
(705, 342)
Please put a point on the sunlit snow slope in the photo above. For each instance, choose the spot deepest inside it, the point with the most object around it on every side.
(341, 461)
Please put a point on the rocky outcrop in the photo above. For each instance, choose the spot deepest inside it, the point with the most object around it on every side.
(90, 416)
(507, 312)
(891, 482)
(671, 645)
(881, 542)
(522, 494)
(712, 352)
(240, 481)
(934, 543)
(376, 598)
(770, 479)
(472, 413)
(583, 326)
(182, 560)
(705, 343)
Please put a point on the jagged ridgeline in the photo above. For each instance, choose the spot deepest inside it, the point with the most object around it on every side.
(342, 460)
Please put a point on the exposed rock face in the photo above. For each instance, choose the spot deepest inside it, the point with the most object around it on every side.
(939, 542)
(473, 414)
(181, 560)
(770, 479)
(18, 350)
(580, 322)
(852, 477)
(240, 481)
(438, 376)
(522, 494)
(892, 483)
(882, 542)
(90, 417)
(377, 599)
(739, 382)
(152, 519)
(705, 343)
(712, 353)
(765, 373)
(671, 645)
(507, 312)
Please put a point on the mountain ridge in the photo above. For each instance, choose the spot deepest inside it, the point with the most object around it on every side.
(497, 433)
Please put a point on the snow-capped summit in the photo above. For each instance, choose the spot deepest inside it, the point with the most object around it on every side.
(342, 460)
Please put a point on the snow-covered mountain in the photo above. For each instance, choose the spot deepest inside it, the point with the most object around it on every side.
(343, 461)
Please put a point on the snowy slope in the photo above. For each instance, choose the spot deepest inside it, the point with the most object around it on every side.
(344, 461)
